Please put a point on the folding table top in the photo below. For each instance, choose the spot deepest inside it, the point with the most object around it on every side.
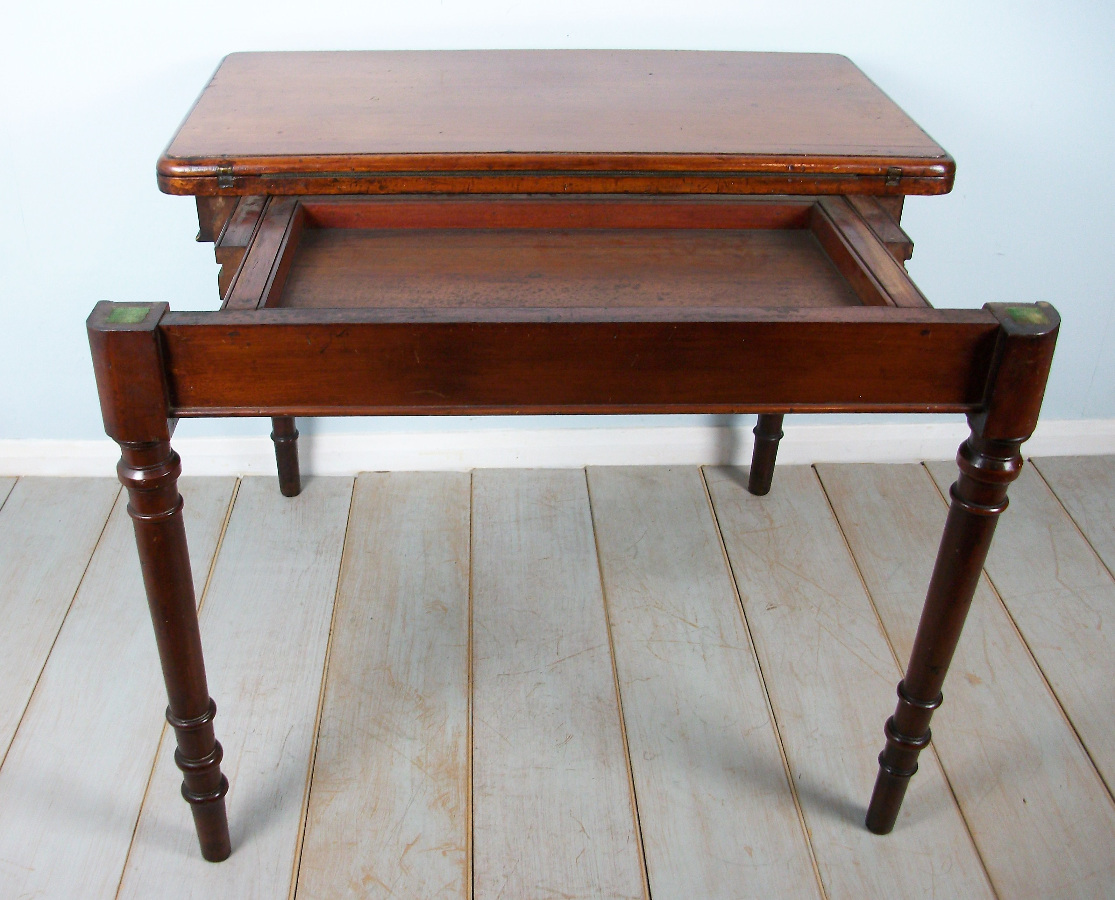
(550, 121)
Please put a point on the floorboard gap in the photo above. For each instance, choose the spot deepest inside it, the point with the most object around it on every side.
(619, 695)
(297, 861)
(763, 683)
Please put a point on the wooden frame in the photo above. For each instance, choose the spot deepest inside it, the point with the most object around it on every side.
(153, 366)
(832, 322)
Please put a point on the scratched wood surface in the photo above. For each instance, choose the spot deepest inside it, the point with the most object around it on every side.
(1062, 598)
(1039, 813)
(1014, 745)
(388, 806)
(717, 814)
(832, 679)
(74, 778)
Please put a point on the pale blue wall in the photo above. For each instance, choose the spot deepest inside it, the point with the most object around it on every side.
(1022, 94)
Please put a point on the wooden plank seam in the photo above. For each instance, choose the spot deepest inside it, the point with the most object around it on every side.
(297, 861)
(619, 694)
(763, 683)
(61, 621)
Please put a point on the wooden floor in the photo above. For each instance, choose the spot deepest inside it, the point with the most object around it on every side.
(637, 682)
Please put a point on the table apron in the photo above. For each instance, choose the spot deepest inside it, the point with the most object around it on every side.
(928, 361)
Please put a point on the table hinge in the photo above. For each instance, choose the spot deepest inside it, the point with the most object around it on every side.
(894, 173)
(224, 177)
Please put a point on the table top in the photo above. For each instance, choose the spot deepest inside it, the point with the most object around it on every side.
(452, 121)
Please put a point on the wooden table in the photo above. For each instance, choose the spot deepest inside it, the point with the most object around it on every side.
(557, 232)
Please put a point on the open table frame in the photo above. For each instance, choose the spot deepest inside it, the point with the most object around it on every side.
(855, 335)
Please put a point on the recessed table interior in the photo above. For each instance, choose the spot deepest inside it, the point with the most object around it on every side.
(509, 232)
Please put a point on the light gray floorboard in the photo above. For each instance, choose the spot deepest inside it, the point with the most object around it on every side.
(1085, 485)
(552, 802)
(717, 813)
(554, 809)
(49, 528)
(6, 485)
(388, 813)
(74, 779)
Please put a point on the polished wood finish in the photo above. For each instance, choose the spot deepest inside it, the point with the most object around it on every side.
(431, 269)
(989, 461)
(150, 473)
(232, 243)
(567, 252)
(367, 362)
(212, 216)
(548, 121)
(256, 277)
(285, 436)
(132, 387)
(768, 432)
(884, 224)
(877, 277)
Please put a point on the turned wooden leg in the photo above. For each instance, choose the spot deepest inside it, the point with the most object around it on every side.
(150, 473)
(285, 436)
(979, 496)
(989, 461)
(768, 432)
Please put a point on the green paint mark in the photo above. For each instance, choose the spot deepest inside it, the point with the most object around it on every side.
(1027, 315)
(128, 315)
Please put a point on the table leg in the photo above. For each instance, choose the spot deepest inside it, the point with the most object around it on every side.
(131, 382)
(285, 436)
(768, 432)
(979, 496)
(150, 473)
(989, 461)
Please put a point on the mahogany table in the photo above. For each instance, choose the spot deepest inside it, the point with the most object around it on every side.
(557, 232)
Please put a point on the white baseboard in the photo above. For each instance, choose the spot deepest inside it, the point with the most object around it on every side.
(556, 447)
(346, 454)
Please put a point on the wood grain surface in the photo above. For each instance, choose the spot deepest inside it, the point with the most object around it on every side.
(553, 811)
(389, 804)
(1024, 783)
(831, 679)
(716, 811)
(322, 118)
(424, 268)
(358, 362)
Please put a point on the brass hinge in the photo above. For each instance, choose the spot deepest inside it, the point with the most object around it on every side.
(224, 177)
(894, 173)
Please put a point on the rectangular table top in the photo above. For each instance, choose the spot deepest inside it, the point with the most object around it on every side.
(459, 121)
